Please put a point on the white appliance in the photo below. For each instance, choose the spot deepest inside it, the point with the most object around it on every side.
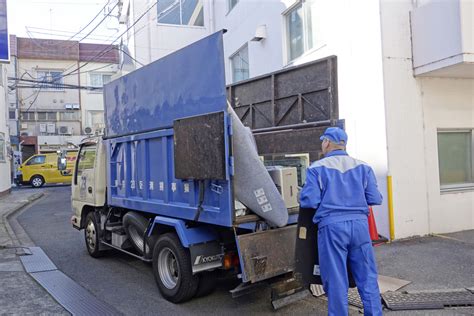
(286, 181)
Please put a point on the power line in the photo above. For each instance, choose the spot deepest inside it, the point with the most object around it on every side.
(95, 17)
(95, 27)
(104, 50)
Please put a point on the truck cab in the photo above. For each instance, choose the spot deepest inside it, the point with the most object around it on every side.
(88, 182)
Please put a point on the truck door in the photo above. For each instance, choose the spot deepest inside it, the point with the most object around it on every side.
(84, 180)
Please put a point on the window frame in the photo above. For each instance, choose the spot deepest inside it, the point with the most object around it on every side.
(101, 74)
(456, 187)
(47, 85)
(300, 4)
(29, 162)
(47, 119)
(78, 159)
(229, 7)
(76, 113)
(181, 18)
(231, 57)
(22, 118)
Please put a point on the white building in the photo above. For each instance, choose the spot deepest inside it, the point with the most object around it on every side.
(5, 180)
(405, 85)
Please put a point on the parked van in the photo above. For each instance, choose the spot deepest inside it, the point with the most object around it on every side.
(43, 168)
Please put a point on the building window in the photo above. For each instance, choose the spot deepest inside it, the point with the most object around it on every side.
(181, 12)
(12, 114)
(455, 157)
(231, 4)
(47, 116)
(28, 116)
(300, 29)
(69, 116)
(240, 64)
(2, 147)
(95, 119)
(98, 80)
(50, 80)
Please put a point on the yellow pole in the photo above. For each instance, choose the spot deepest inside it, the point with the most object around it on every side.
(390, 208)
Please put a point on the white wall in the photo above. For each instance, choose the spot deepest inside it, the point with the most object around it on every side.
(152, 40)
(447, 104)
(5, 179)
(349, 29)
(416, 107)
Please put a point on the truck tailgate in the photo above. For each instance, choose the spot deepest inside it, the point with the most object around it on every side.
(267, 254)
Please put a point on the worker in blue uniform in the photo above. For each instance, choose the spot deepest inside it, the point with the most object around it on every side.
(341, 189)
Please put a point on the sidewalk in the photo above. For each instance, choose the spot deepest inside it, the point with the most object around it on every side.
(19, 293)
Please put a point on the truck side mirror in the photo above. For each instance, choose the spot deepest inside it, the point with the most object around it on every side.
(62, 162)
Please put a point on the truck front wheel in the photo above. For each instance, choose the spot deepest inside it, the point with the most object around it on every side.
(91, 234)
(172, 269)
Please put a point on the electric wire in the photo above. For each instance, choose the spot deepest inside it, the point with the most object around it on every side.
(93, 19)
(95, 27)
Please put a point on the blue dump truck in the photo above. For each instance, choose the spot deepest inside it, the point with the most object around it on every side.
(177, 180)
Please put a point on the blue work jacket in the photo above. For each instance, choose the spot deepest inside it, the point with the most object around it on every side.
(340, 188)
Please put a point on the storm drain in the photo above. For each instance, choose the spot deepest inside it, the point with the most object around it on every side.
(73, 297)
(37, 261)
(353, 298)
(428, 299)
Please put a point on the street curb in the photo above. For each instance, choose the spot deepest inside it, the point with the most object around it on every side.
(6, 216)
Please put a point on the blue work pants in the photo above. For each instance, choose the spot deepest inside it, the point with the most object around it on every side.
(348, 242)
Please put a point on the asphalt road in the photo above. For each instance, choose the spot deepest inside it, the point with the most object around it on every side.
(125, 282)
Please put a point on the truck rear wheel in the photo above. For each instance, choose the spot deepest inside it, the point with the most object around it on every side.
(91, 234)
(172, 269)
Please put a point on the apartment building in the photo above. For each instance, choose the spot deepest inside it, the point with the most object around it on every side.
(58, 91)
(405, 85)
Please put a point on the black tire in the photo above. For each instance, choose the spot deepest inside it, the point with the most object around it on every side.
(207, 283)
(135, 226)
(36, 181)
(168, 249)
(92, 235)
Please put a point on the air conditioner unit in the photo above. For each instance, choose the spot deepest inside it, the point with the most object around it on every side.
(51, 128)
(65, 130)
(24, 125)
(43, 128)
(88, 130)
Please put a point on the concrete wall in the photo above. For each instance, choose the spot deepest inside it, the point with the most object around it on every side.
(5, 179)
(415, 108)
(153, 40)
(447, 104)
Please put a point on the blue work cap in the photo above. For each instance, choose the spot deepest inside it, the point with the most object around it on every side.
(335, 135)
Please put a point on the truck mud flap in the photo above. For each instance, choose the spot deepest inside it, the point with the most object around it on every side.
(267, 254)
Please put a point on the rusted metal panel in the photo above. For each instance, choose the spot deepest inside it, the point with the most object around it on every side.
(267, 254)
(297, 95)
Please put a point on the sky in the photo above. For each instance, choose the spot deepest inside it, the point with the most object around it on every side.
(61, 19)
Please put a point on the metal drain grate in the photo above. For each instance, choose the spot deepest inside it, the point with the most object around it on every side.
(73, 297)
(354, 299)
(428, 299)
(37, 261)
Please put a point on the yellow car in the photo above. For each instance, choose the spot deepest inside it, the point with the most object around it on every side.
(43, 168)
